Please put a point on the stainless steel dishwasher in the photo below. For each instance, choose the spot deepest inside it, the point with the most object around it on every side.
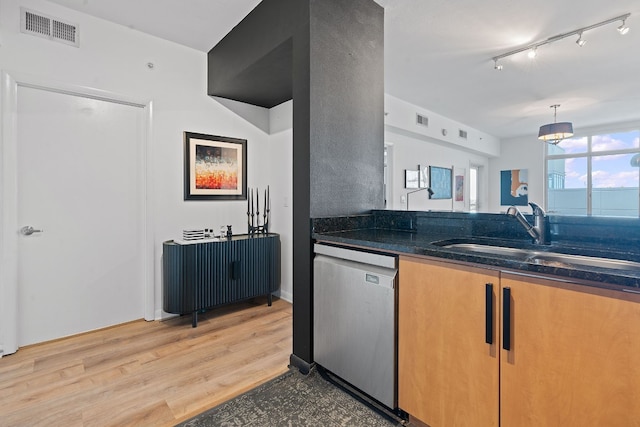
(354, 319)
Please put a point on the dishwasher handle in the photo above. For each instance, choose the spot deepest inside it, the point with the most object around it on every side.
(371, 258)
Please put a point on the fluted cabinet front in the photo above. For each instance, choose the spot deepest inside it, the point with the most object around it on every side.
(204, 275)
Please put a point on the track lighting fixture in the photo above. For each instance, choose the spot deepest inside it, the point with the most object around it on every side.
(532, 48)
(623, 29)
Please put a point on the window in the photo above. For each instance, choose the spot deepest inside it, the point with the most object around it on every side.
(593, 175)
(473, 188)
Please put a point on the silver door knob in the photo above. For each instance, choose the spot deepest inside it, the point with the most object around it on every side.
(28, 230)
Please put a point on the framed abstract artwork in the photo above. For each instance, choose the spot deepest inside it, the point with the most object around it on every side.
(215, 167)
(415, 178)
(440, 181)
(459, 188)
(514, 187)
(411, 178)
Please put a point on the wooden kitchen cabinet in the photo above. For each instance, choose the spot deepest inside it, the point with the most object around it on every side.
(447, 373)
(572, 358)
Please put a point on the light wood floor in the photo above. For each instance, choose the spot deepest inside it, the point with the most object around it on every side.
(146, 373)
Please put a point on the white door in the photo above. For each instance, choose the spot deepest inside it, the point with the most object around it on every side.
(80, 182)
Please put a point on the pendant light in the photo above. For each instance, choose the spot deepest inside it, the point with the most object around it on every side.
(555, 132)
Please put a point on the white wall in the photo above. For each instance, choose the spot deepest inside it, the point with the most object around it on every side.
(400, 117)
(281, 179)
(411, 145)
(519, 153)
(410, 152)
(114, 58)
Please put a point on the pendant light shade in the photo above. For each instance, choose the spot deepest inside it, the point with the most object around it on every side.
(555, 132)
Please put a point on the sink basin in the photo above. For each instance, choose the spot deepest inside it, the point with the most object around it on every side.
(591, 261)
(539, 257)
(492, 250)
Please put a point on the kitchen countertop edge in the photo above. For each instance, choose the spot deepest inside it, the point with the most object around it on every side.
(420, 244)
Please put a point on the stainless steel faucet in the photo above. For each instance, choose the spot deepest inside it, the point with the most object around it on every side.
(539, 231)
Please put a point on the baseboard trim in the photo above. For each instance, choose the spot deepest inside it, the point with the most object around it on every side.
(287, 296)
(303, 366)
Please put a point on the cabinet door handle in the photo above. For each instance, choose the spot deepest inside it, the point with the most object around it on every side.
(488, 321)
(506, 318)
(234, 270)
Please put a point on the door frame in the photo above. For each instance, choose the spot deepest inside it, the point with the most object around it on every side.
(9, 195)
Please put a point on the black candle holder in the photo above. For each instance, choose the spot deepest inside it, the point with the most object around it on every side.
(254, 227)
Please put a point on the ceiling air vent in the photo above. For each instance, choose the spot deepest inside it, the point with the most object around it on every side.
(462, 133)
(422, 120)
(41, 25)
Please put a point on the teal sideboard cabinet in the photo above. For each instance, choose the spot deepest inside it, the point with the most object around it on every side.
(201, 276)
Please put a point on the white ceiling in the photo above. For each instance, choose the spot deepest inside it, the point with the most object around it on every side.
(438, 54)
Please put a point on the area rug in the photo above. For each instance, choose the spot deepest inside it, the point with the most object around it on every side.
(294, 399)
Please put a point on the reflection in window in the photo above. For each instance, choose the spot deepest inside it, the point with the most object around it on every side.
(567, 187)
(579, 182)
(615, 186)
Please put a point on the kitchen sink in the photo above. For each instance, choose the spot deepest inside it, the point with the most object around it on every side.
(545, 258)
(591, 261)
(491, 250)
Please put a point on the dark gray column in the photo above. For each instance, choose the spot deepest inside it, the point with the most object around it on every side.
(347, 107)
(328, 55)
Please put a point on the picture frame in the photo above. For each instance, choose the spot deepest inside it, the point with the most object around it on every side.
(514, 187)
(440, 181)
(215, 167)
(415, 178)
(411, 178)
(459, 188)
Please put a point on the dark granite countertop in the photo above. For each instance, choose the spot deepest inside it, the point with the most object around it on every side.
(431, 244)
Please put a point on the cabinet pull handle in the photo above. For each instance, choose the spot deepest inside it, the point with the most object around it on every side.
(488, 322)
(506, 319)
(234, 270)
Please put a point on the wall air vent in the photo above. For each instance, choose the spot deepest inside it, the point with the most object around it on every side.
(38, 24)
(422, 120)
(462, 133)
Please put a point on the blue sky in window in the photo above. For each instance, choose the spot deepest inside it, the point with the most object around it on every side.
(611, 171)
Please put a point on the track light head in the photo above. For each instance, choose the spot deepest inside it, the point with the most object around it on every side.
(581, 42)
(623, 29)
(497, 66)
(532, 53)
